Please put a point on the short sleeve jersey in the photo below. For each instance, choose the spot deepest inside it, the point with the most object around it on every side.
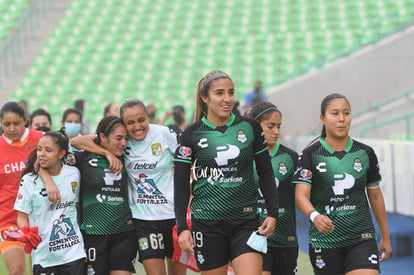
(222, 158)
(103, 195)
(339, 181)
(149, 163)
(13, 156)
(284, 164)
(61, 237)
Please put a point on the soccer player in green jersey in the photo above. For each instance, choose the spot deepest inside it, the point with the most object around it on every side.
(282, 253)
(218, 150)
(333, 177)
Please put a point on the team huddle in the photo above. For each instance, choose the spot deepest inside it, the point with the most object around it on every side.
(94, 204)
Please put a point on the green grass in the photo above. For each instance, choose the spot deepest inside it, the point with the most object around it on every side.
(304, 266)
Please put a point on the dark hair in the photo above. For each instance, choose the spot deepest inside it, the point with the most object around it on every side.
(40, 112)
(79, 104)
(107, 108)
(106, 126)
(14, 107)
(131, 103)
(71, 111)
(60, 139)
(202, 90)
(263, 110)
(325, 103)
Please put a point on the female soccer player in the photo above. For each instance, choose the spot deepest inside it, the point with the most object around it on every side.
(218, 150)
(333, 176)
(61, 250)
(282, 245)
(15, 145)
(106, 220)
(148, 161)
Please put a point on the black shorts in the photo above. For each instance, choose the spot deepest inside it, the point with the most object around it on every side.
(110, 252)
(155, 239)
(75, 267)
(218, 242)
(363, 255)
(281, 261)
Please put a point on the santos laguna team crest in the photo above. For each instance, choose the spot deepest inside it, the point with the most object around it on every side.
(148, 192)
(63, 235)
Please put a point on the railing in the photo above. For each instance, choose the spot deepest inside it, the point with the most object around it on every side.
(12, 48)
(375, 107)
(405, 117)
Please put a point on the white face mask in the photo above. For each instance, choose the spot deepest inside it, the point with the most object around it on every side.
(257, 242)
(72, 129)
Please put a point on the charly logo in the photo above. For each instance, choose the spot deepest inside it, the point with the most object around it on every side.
(358, 165)
(373, 259)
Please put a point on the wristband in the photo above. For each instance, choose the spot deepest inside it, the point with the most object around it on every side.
(313, 214)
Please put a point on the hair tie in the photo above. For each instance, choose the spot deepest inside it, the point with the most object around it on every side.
(210, 78)
(265, 110)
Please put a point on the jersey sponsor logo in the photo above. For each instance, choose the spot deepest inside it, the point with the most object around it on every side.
(342, 208)
(144, 165)
(184, 153)
(74, 186)
(321, 167)
(111, 177)
(282, 168)
(14, 167)
(203, 143)
(102, 198)
(358, 165)
(225, 153)
(63, 234)
(64, 204)
(241, 136)
(43, 192)
(342, 182)
(373, 259)
(214, 174)
(156, 149)
(93, 162)
(148, 193)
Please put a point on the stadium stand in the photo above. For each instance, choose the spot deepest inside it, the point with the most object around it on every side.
(157, 50)
(10, 12)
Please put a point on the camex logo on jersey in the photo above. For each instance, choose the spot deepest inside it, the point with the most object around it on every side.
(63, 234)
(148, 193)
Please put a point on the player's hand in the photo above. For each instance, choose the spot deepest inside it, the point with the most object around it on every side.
(185, 240)
(267, 227)
(385, 249)
(115, 165)
(323, 223)
(53, 193)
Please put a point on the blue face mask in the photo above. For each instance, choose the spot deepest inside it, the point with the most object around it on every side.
(72, 129)
(257, 242)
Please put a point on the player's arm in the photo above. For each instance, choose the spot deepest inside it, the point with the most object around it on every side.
(22, 219)
(376, 201)
(53, 193)
(86, 143)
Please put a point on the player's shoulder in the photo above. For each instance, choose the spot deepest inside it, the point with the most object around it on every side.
(68, 170)
(362, 146)
(292, 153)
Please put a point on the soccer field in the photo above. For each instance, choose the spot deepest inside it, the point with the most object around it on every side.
(304, 267)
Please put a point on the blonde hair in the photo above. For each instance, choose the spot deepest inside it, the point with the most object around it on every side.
(202, 90)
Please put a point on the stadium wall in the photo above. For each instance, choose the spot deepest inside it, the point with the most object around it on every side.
(371, 74)
(395, 159)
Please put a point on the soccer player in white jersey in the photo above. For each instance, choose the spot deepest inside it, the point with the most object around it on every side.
(149, 164)
(61, 250)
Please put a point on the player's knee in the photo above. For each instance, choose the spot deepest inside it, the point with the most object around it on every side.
(17, 270)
